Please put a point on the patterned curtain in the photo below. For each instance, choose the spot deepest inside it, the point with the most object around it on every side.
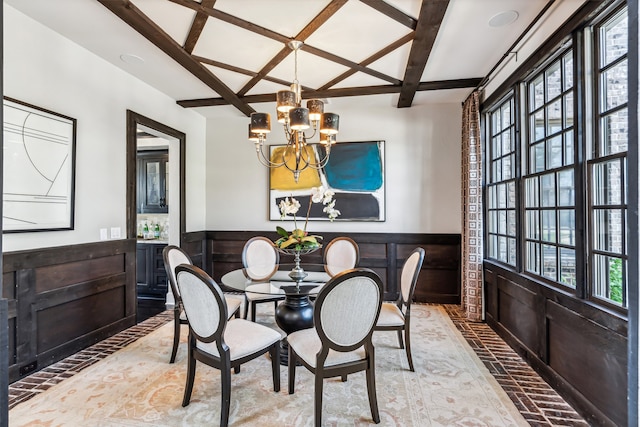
(472, 235)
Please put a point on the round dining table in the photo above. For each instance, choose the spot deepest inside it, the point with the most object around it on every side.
(295, 312)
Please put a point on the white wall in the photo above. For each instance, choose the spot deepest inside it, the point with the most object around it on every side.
(47, 70)
(422, 167)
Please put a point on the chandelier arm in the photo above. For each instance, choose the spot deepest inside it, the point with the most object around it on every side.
(266, 161)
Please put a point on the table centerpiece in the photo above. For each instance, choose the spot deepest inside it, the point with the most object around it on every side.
(299, 241)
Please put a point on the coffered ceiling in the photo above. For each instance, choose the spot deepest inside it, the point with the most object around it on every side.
(211, 53)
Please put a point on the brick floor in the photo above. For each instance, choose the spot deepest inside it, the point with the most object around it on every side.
(538, 403)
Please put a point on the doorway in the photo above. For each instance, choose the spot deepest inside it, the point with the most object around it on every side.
(145, 136)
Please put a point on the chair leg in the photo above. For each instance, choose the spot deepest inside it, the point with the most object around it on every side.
(371, 389)
(246, 308)
(407, 338)
(236, 369)
(225, 375)
(176, 335)
(275, 365)
(253, 311)
(400, 338)
(292, 370)
(191, 373)
(344, 378)
(317, 407)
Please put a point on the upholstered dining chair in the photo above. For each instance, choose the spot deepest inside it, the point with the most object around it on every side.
(340, 254)
(220, 343)
(260, 261)
(396, 316)
(346, 310)
(173, 256)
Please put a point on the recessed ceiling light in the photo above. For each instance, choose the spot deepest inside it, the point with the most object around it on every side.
(130, 58)
(503, 18)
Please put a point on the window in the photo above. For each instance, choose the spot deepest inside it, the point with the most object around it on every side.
(537, 158)
(501, 190)
(608, 163)
(549, 174)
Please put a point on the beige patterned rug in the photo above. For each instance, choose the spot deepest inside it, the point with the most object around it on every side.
(136, 386)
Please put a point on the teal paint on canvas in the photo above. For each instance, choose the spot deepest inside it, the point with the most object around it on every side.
(355, 167)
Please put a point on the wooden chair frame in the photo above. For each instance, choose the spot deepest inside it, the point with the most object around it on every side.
(267, 298)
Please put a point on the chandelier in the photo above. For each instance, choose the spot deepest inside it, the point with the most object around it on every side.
(296, 156)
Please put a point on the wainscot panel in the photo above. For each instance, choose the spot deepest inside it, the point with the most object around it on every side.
(64, 299)
(439, 281)
(580, 349)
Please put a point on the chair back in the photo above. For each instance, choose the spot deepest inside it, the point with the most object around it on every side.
(173, 256)
(342, 253)
(409, 277)
(203, 302)
(347, 309)
(259, 258)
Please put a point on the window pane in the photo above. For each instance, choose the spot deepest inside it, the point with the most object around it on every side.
(511, 194)
(614, 133)
(506, 142)
(614, 35)
(533, 225)
(507, 168)
(537, 94)
(511, 223)
(554, 83)
(512, 251)
(491, 197)
(502, 195)
(607, 230)
(496, 148)
(537, 126)
(506, 115)
(502, 222)
(567, 226)
(614, 86)
(548, 225)
(549, 260)
(609, 279)
(554, 152)
(502, 249)
(568, 110)
(548, 184)
(531, 192)
(554, 117)
(607, 183)
(497, 170)
(568, 70)
(568, 267)
(537, 158)
(533, 257)
(566, 188)
(568, 148)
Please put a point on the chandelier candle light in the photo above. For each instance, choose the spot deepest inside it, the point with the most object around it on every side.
(296, 120)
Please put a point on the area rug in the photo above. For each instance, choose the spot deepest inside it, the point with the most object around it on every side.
(136, 386)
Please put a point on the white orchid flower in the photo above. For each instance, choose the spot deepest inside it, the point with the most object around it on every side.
(317, 194)
(288, 207)
(328, 196)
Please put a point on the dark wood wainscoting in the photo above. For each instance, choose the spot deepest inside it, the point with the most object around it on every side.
(66, 298)
(219, 252)
(578, 348)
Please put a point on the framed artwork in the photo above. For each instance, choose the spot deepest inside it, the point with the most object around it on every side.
(38, 168)
(354, 172)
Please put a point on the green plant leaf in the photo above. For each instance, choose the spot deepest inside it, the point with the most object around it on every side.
(282, 232)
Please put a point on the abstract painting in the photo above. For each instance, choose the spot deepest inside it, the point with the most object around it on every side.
(354, 172)
(38, 168)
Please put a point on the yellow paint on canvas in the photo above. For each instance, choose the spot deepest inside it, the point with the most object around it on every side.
(282, 178)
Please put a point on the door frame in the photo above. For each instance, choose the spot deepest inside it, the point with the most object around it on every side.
(133, 120)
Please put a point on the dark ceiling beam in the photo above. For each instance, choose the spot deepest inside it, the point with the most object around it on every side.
(353, 65)
(341, 92)
(429, 21)
(373, 58)
(392, 12)
(242, 71)
(196, 26)
(309, 29)
(130, 14)
(230, 19)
